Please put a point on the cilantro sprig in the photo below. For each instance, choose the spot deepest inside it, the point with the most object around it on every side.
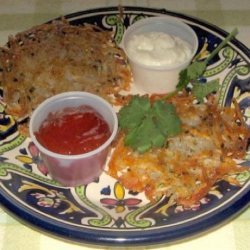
(200, 91)
(148, 125)
(197, 68)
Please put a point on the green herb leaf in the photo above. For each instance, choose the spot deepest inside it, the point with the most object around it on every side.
(200, 91)
(145, 136)
(148, 126)
(197, 68)
(184, 80)
(130, 116)
(166, 118)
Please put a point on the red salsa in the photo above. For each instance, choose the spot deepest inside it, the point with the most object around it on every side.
(73, 131)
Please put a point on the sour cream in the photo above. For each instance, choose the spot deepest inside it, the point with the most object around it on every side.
(158, 49)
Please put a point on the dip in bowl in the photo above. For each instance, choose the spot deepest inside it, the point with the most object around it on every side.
(158, 48)
(73, 132)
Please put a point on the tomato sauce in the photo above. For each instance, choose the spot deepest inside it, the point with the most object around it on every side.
(73, 131)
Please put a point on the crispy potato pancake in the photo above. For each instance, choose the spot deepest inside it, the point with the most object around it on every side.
(191, 163)
(57, 57)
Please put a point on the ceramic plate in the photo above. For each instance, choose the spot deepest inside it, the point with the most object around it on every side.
(103, 212)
